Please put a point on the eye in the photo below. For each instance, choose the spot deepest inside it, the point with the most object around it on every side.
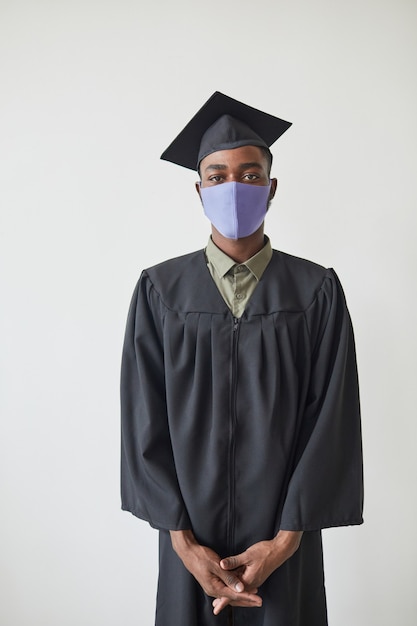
(250, 177)
(215, 179)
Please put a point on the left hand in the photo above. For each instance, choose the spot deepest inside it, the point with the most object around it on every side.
(257, 563)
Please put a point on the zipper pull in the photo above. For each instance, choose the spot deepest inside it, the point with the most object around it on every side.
(235, 323)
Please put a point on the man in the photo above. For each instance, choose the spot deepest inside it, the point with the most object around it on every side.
(240, 411)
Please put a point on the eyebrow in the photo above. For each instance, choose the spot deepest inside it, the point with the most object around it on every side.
(242, 166)
(215, 166)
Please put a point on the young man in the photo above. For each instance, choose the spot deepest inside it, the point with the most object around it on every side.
(240, 410)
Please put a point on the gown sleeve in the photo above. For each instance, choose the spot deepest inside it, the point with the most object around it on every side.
(326, 484)
(149, 485)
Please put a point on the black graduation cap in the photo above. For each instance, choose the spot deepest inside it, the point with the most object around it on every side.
(223, 123)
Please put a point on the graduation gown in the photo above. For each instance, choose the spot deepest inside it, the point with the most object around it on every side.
(238, 428)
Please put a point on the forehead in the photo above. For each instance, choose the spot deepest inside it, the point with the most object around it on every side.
(235, 157)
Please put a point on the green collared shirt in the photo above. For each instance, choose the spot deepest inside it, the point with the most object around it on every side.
(237, 281)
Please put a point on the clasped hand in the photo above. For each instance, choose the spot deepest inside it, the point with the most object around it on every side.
(234, 580)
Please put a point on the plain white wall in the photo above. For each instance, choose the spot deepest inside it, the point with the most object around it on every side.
(91, 93)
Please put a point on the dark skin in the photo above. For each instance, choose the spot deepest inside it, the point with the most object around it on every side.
(235, 580)
(248, 165)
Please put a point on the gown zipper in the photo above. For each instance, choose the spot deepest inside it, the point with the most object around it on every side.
(232, 438)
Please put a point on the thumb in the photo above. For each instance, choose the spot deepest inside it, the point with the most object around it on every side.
(233, 562)
(232, 581)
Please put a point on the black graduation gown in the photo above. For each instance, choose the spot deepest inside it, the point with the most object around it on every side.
(239, 428)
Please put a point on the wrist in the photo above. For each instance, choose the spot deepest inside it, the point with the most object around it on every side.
(182, 540)
(287, 542)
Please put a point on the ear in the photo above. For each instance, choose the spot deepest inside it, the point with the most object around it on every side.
(197, 187)
(274, 184)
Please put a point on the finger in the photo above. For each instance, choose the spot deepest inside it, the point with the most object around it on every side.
(220, 590)
(233, 562)
(219, 604)
(251, 605)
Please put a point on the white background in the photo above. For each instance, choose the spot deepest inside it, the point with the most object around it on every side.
(91, 93)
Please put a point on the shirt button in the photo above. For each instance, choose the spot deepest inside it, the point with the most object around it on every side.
(239, 296)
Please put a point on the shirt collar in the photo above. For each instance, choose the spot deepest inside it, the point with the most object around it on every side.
(223, 263)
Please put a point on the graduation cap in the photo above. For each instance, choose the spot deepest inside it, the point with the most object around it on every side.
(223, 123)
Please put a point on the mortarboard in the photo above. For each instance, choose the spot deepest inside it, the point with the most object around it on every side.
(223, 123)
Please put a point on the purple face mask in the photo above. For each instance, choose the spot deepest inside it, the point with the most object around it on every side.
(235, 209)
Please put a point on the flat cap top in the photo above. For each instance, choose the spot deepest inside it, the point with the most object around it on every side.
(223, 123)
